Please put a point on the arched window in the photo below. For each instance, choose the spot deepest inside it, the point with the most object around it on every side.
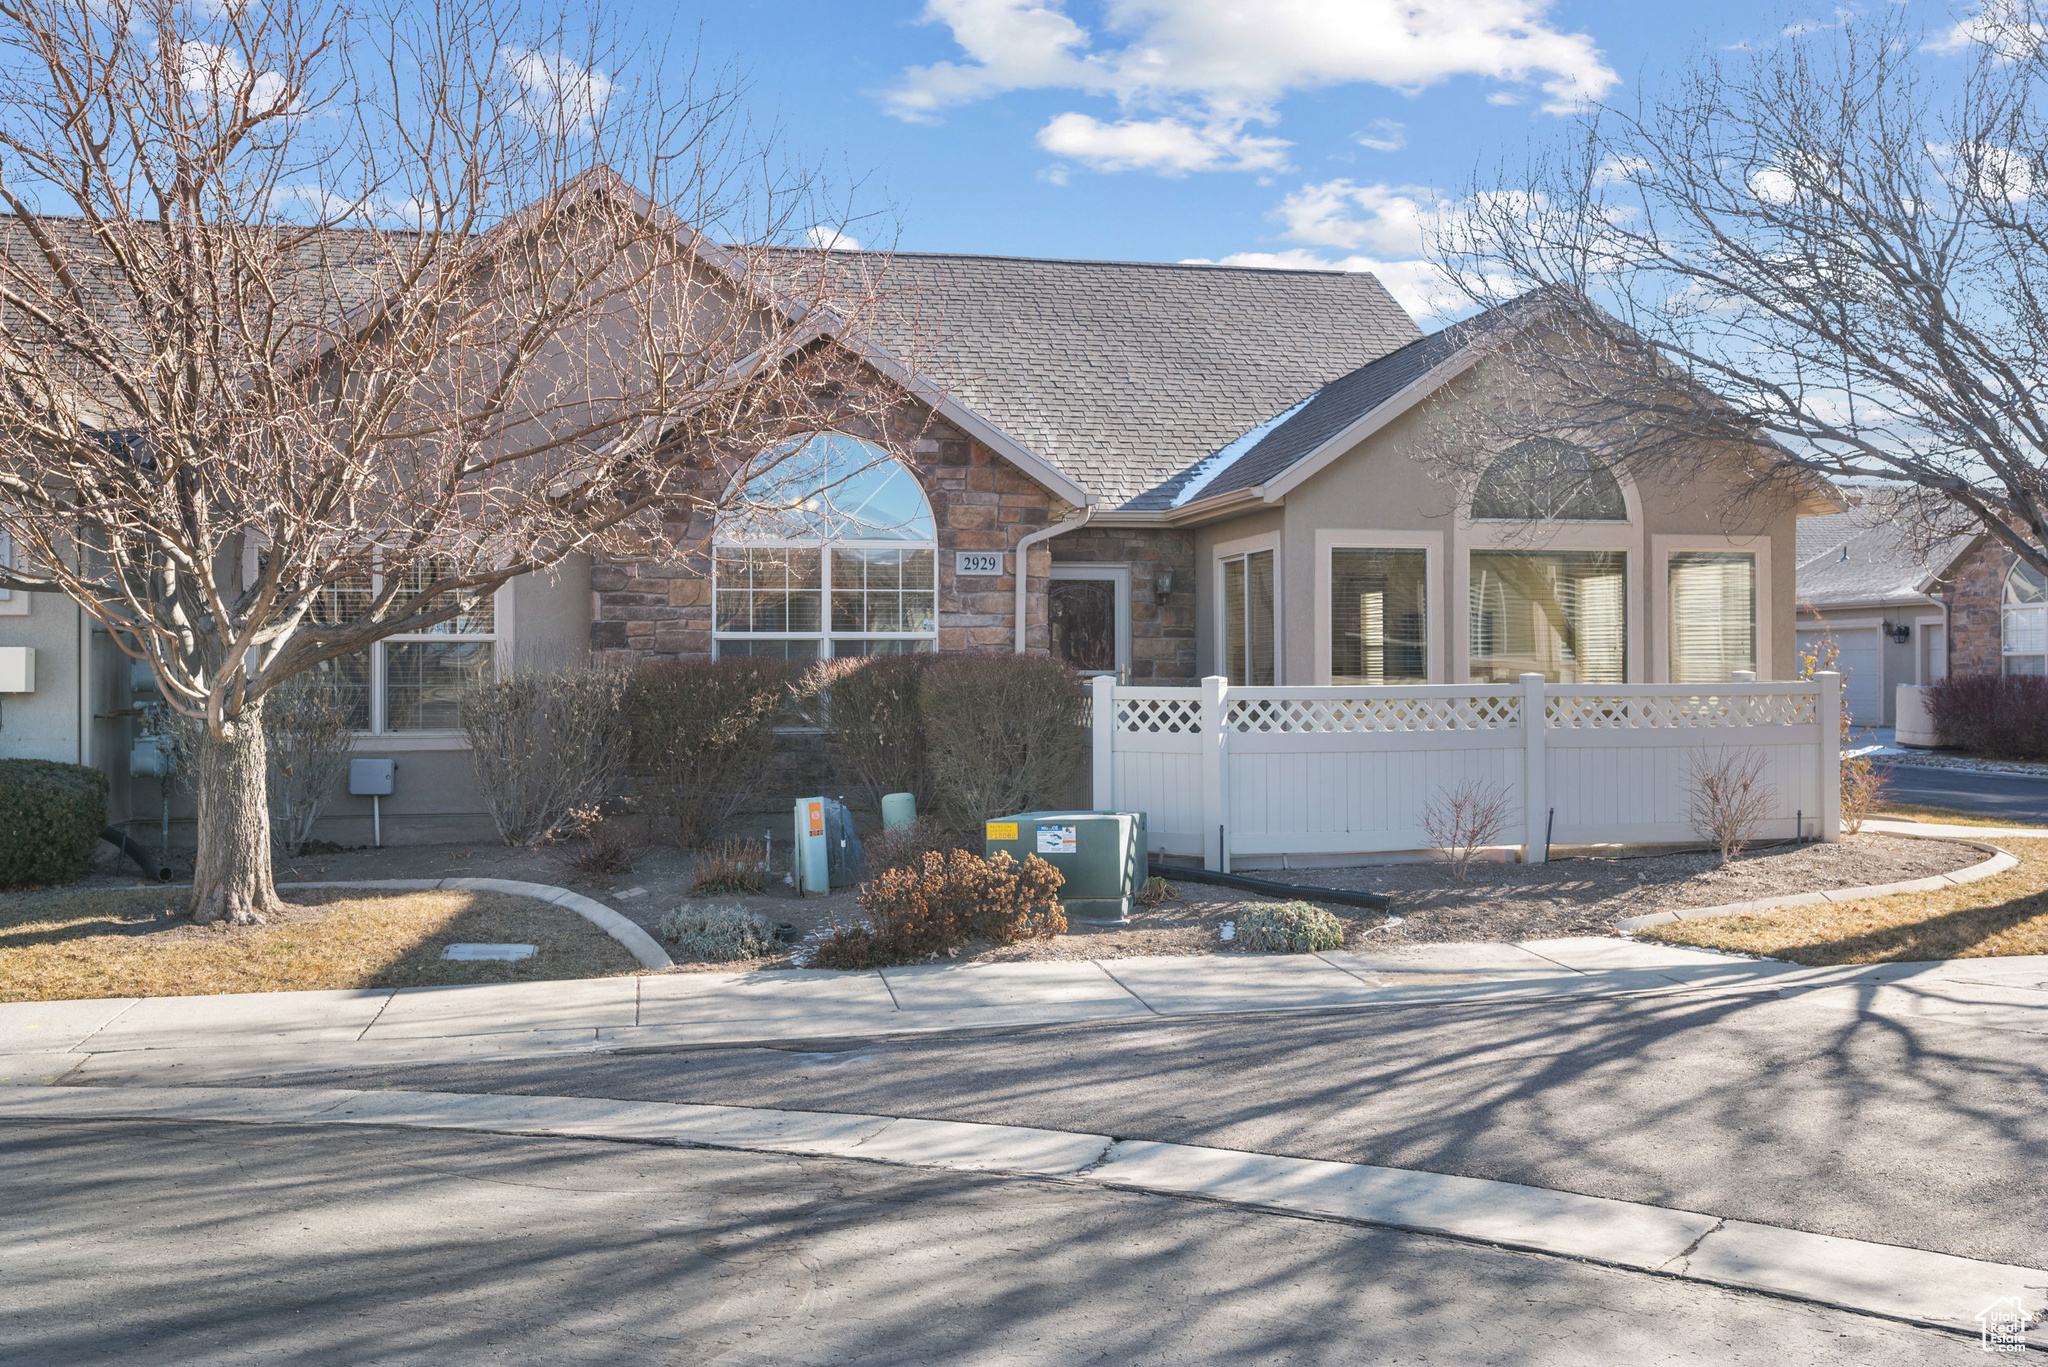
(1546, 480)
(2025, 639)
(832, 552)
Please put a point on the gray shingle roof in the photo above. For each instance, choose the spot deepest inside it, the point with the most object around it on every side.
(1866, 555)
(1123, 374)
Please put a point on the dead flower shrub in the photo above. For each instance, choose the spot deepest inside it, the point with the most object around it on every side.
(548, 746)
(937, 906)
(868, 707)
(704, 732)
(1727, 799)
(907, 846)
(732, 865)
(607, 849)
(1465, 818)
(1004, 733)
(1864, 786)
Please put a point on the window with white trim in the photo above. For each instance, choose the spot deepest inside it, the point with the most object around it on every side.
(1248, 619)
(833, 553)
(2024, 643)
(1712, 611)
(411, 682)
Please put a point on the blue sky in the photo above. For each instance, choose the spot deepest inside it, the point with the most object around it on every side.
(1262, 131)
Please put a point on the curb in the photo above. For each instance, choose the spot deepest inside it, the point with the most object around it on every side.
(1940, 1290)
(637, 942)
(1999, 862)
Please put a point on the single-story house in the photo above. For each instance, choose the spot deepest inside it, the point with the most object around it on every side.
(1904, 609)
(1161, 471)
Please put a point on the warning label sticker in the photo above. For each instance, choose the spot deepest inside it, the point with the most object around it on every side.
(1002, 830)
(1055, 839)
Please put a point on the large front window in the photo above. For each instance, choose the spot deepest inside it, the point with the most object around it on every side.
(2025, 644)
(411, 682)
(833, 552)
(1561, 614)
(1712, 606)
(1378, 617)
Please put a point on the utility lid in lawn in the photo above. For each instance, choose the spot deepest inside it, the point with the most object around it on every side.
(488, 952)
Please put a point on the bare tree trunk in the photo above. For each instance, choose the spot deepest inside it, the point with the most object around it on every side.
(231, 876)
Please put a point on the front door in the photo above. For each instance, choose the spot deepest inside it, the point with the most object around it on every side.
(1088, 607)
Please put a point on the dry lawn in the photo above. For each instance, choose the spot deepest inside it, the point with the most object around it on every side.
(1944, 816)
(2007, 914)
(68, 943)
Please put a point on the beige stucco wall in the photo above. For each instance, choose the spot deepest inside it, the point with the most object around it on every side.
(1381, 486)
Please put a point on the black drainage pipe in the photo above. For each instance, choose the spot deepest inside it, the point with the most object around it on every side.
(143, 859)
(1371, 901)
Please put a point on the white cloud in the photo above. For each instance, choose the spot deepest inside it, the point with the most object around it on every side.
(831, 239)
(1384, 135)
(1169, 146)
(1773, 186)
(557, 95)
(1418, 286)
(1388, 219)
(1614, 170)
(2001, 27)
(217, 75)
(1217, 65)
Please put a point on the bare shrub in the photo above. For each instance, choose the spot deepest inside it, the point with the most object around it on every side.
(1465, 818)
(907, 846)
(734, 865)
(1864, 786)
(1004, 734)
(1999, 716)
(704, 730)
(934, 908)
(1727, 798)
(308, 731)
(607, 850)
(548, 746)
(868, 708)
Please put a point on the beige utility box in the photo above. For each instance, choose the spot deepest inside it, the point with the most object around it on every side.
(17, 669)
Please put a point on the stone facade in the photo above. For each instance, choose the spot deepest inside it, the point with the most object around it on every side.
(1975, 591)
(648, 610)
(1162, 634)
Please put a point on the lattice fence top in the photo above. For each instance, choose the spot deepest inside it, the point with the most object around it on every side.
(1478, 712)
(1621, 713)
(1159, 716)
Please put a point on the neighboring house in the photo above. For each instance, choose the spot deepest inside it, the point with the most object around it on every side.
(1202, 469)
(1900, 612)
(1867, 586)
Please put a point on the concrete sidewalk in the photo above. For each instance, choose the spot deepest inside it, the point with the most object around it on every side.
(216, 1038)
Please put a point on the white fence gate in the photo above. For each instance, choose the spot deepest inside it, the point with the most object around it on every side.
(1255, 773)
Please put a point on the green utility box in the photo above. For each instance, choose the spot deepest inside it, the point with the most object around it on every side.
(1102, 856)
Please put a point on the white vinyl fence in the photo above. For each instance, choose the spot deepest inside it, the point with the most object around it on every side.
(1256, 773)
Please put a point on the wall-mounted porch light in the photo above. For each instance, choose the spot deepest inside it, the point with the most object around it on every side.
(1899, 632)
(1162, 585)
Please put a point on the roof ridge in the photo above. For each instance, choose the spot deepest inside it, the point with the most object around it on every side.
(1101, 261)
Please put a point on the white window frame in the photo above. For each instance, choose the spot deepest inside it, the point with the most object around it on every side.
(1661, 547)
(2005, 611)
(1231, 550)
(1330, 540)
(13, 602)
(1120, 575)
(1923, 669)
(824, 635)
(380, 737)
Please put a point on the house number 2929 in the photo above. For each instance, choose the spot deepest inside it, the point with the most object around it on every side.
(977, 562)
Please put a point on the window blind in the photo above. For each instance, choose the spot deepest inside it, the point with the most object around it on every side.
(1713, 615)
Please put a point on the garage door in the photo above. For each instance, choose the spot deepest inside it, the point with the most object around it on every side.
(1862, 669)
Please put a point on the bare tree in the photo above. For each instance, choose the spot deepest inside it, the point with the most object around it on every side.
(1465, 818)
(1727, 799)
(1832, 245)
(320, 323)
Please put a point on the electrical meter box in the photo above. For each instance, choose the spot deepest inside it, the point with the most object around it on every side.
(1100, 854)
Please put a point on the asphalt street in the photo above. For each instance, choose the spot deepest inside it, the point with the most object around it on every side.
(1797, 1110)
(151, 1243)
(2023, 801)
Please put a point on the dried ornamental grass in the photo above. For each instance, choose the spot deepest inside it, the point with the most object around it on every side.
(1289, 928)
(718, 934)
(733, 865)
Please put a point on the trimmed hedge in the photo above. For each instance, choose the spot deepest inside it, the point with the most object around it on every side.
(51, 815)
(1003, 733)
